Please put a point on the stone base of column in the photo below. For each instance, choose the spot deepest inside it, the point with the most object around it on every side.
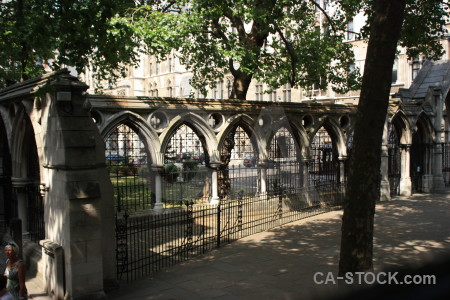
(96, 296)
(438, 184)
(427, 182)
(385, 191)
(159, 207)
(405, 186)
(214, 201)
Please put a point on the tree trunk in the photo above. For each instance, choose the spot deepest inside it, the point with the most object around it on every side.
(223, 179)
(364, 178)
(241, 84)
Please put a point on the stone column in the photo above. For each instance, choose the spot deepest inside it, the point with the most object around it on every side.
(263, 178)
(156, 174)
(385, 189)
(438, 177)
(305, 166)
(79, 206)
(20, 189)
(215, 200)
(405, 177)
(341, 174)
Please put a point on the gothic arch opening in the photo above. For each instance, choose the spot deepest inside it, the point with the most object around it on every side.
(185, 173)
(324, 163)
(394, 159)
(27, 199)
(420, 155)
(8, 208)
(284, 168)
(239, 173)
(127, 161)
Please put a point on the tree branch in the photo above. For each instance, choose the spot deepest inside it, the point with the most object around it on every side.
(330, 21)
(292, 80)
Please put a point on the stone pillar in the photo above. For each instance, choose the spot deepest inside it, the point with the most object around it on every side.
(305, 165)
(405, 177)
(427, 177)
(79, 207)
(20, 189)
(263, 179)
(156, 174)
(341, 175)
(438, 184)
(438, 177)
(214, 183)
(385, 189)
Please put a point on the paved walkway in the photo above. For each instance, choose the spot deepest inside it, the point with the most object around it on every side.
(281, 263)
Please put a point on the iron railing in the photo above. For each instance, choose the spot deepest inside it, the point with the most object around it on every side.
(446, 163)
(148, 242)
(36, 225)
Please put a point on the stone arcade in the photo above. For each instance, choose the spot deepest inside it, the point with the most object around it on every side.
(52, 158)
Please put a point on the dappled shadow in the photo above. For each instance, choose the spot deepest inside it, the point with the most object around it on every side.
(281, 263)
(411, 230)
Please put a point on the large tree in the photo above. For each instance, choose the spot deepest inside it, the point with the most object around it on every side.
(274, 41)
(417, 25)
(34, 33)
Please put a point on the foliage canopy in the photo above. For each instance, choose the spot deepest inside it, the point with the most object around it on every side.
(61, 33)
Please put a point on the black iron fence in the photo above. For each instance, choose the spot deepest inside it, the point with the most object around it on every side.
(36, 226)
(187, 181)
(446, 163)
(148, 242)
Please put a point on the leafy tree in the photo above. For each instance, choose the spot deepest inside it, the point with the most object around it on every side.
(274, 41)
(418, 25)
(62, 32)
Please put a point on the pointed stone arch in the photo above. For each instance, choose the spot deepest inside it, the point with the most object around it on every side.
(26, 170)
(199, 126)
(142, 129)
(247, 124)
(402, 126)
(7, 205)
(336, 133)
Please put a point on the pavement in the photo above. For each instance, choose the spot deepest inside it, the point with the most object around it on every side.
(281, 263)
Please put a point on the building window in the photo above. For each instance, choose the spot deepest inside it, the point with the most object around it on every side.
(415, 67)
(395, 70)
(273, 96)
(229, 86)
(350, 34)
(157, 68)
(221, 89)
(169, 89)
(287, 93)
(170, 64)
(259, 91)
(216, 90)
(150, 67)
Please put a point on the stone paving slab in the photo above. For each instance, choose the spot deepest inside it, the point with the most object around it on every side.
(281, 263)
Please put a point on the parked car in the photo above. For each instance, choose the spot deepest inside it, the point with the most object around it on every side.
(184, 156)
(250, 162)
(139, 162)
(199, 157)
(115, 157)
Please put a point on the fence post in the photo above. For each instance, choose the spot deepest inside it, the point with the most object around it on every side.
(122, 245)
(218, 224)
